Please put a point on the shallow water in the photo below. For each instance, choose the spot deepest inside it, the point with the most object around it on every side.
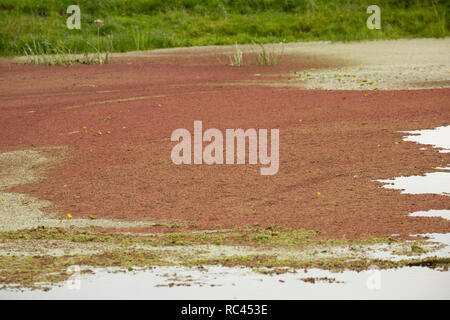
(445, 214)
(438, 137)
(217, 282)
(434, 182)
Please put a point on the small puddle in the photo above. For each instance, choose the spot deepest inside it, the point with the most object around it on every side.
(434, 182)
(438, 137)
(445, 214)
(215, 282)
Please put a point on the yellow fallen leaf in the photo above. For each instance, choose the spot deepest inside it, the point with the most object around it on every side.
(69, 216)
(318, 193)
(92, 217)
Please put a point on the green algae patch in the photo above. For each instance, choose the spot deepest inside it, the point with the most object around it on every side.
(432, 262)
(244, 236)
(271, 236)
(271, 264)
(37, 272)
(266, 250)
(28, 272)
(45, 233)
(285, 265)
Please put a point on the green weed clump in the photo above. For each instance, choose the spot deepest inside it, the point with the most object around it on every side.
(46, 53)
(268, 55)
(237, 59)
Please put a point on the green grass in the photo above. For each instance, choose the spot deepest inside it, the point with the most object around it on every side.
(237, 59)
(268, 55)
(149, 24)
(59, 54)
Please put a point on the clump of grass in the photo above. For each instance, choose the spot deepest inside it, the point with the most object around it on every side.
(51, 55)
(237, 59)
(141, 39)
(268, 55)
(99, 56)
(43, 53)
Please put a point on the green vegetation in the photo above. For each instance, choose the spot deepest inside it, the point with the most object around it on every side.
(148, 24)
(38, 268)
(268, 261)
(37, 271)
(268, 55)
(237, 59)
(333, 264)
(416, 249)
(61, 55)
(269, 237)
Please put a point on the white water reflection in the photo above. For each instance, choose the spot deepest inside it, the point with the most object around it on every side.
(445, 214)
(438, 137)
(434, 182)
(216, 282)
(437, 245)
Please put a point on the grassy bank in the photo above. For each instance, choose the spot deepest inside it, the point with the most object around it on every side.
(146, 24)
